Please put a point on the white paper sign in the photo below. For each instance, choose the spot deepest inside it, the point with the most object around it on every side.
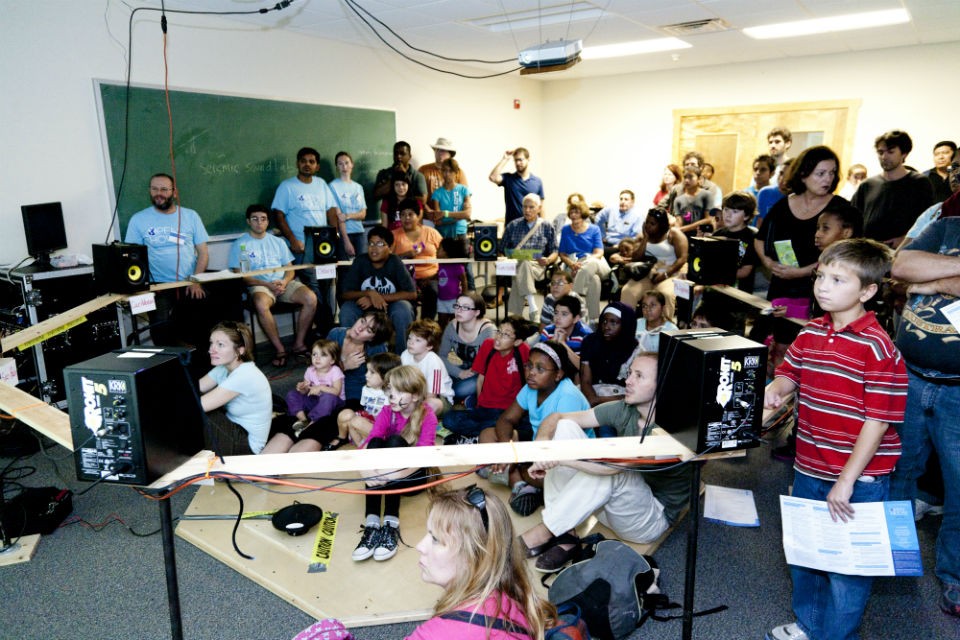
(881, 540)
(735, 507)
(326, 271)
(506, 267)
(681, 288)
(142, 303)
(952, 313)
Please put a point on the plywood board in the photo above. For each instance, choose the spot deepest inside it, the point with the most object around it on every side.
(22, 552)
(32, 411)
(353, 592)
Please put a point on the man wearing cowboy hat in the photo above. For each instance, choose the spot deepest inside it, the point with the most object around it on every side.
(442, 149)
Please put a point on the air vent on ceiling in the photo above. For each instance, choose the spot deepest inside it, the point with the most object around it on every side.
(695, 27)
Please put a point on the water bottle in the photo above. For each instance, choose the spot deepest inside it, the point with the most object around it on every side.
(244, 259)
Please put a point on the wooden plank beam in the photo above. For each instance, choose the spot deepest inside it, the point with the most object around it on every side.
(37, 414)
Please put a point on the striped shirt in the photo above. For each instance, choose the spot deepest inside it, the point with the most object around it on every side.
(845, 377)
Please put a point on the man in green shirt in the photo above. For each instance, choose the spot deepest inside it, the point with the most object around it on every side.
(637, 506)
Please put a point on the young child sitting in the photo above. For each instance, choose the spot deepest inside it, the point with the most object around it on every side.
(652, 321)
(406, 421)
(738, 208)
(451, 278)
(321, 391)
(567, 328)
(852, 387)
(423, 338)
(561, 284)
(548, 389)
(354, 426)
(499, 367)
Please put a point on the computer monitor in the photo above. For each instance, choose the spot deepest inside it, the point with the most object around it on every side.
(44, 230)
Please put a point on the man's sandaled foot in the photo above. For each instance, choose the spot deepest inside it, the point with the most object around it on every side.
(279, 360)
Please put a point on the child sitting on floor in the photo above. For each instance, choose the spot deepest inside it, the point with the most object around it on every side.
(354, 426)
(321, 391)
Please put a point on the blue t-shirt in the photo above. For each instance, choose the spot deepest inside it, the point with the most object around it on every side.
(451, 200)
(514, 190)
(304, 205)
(582, 244)
(350, 199)
(354, 379)
(164, 240)
(565, 398)
(252, 409)
(265, 253)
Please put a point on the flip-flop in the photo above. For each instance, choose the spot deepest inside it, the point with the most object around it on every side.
(280, 360)
(533, 552)
(301, 354)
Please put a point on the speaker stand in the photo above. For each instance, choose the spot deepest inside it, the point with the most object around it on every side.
(170, 568)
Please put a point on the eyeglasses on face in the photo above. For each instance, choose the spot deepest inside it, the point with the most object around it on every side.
(504, 334)
(380, 244)
(476, 497)
(538, 368)
(459, 307)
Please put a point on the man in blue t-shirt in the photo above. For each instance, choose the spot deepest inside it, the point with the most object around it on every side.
(518, 184)
(262, 250)
(176, 242)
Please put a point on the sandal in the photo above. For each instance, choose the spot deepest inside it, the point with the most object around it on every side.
(280, 360)
(525, 498)
(556, 557)
(301, 354)
(533, 552)
(335, 444)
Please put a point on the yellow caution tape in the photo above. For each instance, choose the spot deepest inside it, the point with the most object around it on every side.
(53, 332)
(323, 544)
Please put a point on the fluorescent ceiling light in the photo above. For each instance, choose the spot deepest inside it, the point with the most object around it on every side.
(633, 48)
(828, 25)
(543, 16)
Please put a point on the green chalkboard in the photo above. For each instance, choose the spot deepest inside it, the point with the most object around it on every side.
(230, 151)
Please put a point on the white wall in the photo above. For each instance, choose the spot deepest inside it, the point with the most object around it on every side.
(594, 135)
(51, 143)
(628, 136)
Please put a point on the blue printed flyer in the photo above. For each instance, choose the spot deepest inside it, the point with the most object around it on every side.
(880, 540)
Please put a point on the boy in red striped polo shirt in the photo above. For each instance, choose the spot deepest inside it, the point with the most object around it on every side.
(852, 385)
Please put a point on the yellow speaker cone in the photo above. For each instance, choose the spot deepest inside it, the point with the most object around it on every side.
(696, 264)
(486, 245)
(134, 273)
(325, 248)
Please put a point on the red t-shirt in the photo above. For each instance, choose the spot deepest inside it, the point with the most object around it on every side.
(501, 380)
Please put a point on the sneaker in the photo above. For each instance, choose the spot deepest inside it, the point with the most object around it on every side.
(500, 477)
(387, 543)
(950, 601)
(922, 508)
(368, 543)
(299, 426)
(786, 632)
(458, 438)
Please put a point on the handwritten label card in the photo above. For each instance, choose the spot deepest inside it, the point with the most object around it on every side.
(142, 303)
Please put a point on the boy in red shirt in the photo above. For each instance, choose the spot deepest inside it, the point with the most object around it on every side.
(852, 384)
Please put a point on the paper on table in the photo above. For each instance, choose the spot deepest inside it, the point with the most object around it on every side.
(730, 506)
(881, 540)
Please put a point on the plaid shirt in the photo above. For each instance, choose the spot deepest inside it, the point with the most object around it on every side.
(543, 239)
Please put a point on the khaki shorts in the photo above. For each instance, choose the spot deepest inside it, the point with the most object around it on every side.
(287, 296)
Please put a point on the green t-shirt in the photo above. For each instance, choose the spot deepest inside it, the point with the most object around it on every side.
(670, 487)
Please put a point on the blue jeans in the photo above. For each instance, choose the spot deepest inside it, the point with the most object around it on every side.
(830, 605)
(472, 422)
(400, 314)
(931, 421)
(465, 388)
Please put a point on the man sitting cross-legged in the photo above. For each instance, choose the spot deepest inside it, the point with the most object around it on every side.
(637, 506)
(267, 251)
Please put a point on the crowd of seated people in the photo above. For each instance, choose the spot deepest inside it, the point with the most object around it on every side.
(567, 347)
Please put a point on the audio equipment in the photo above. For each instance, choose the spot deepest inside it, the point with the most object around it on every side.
(713, 260)
(135, 414)
(120, 267)
(320, 245)
(485, 242)
(296, 519)
(710, 388)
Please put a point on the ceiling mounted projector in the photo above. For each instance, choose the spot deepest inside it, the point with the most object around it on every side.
(550, 54)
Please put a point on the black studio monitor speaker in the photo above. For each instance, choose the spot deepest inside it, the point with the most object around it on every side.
(713, 260)
(121, 267)
(320, 245)
(485, 242)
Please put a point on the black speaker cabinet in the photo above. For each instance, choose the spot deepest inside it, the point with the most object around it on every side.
(713, 260)
(134, 415)
(710, 385)
(320, 245)
(485, 242)
(120, 268)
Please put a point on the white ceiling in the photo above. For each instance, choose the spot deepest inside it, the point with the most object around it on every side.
(446, 27)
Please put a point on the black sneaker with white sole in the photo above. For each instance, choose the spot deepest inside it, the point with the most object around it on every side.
(387, 543)
(368, 543)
